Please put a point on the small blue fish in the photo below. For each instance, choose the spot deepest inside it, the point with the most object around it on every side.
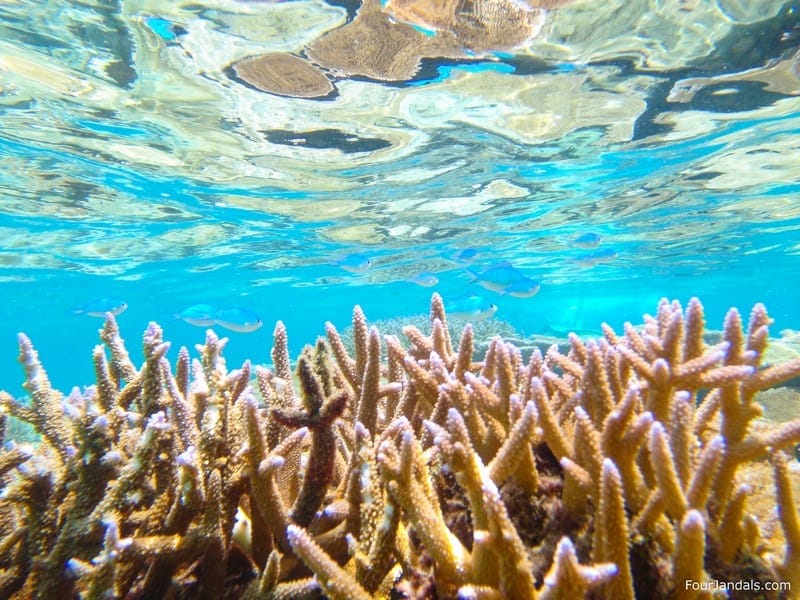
(496, 277)
(201, 315)
(100, 306)
(237, 319)
(466, 256)
(425, 279)
(470, 307)
(586, 241)
(353, 263)
(595, 258)
(522, 288)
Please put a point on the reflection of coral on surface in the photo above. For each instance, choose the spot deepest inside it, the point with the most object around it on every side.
(386, 43)
(625, 466)
(284, 73)
(478, 25)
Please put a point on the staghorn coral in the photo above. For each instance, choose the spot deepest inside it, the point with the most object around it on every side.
(622, 467)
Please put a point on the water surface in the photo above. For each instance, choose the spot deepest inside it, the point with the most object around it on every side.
(135, 165)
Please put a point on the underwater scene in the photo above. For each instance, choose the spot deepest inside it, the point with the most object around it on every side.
(399, 299)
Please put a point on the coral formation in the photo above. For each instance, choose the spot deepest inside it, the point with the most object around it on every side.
(624, 467)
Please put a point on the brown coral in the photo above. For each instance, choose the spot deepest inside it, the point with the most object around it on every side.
(623, 467)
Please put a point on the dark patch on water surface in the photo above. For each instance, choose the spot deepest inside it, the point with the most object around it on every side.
(530, 65)
(745, 47)
(121, 72)
(646, 125)
(704, 176)
(752, 46)
(735, 96)
(326, 139)
(37, 40)
(715, 97)
(110, 35)
(107, 35)
(350, 6)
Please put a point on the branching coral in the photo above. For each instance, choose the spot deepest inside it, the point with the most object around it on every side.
(133, 481)
(623, 467)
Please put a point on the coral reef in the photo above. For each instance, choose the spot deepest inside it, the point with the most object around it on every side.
(624, 467)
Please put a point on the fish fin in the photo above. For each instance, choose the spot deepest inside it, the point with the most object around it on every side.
(77, 311)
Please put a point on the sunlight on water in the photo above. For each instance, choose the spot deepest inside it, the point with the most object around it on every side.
(141, 160)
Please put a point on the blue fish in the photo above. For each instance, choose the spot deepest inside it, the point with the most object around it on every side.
(201, 315)
(497, 276)
(595, 258)
(522, 288)
(425, 279)
(353, 263)
(237, 319)
(100, 306)
(469, 307)
(466, 256)
(586, 241)
(502, 277)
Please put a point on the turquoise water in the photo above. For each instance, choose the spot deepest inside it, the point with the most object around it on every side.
(135, 165)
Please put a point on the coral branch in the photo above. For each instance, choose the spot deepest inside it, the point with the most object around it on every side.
(337, 583)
